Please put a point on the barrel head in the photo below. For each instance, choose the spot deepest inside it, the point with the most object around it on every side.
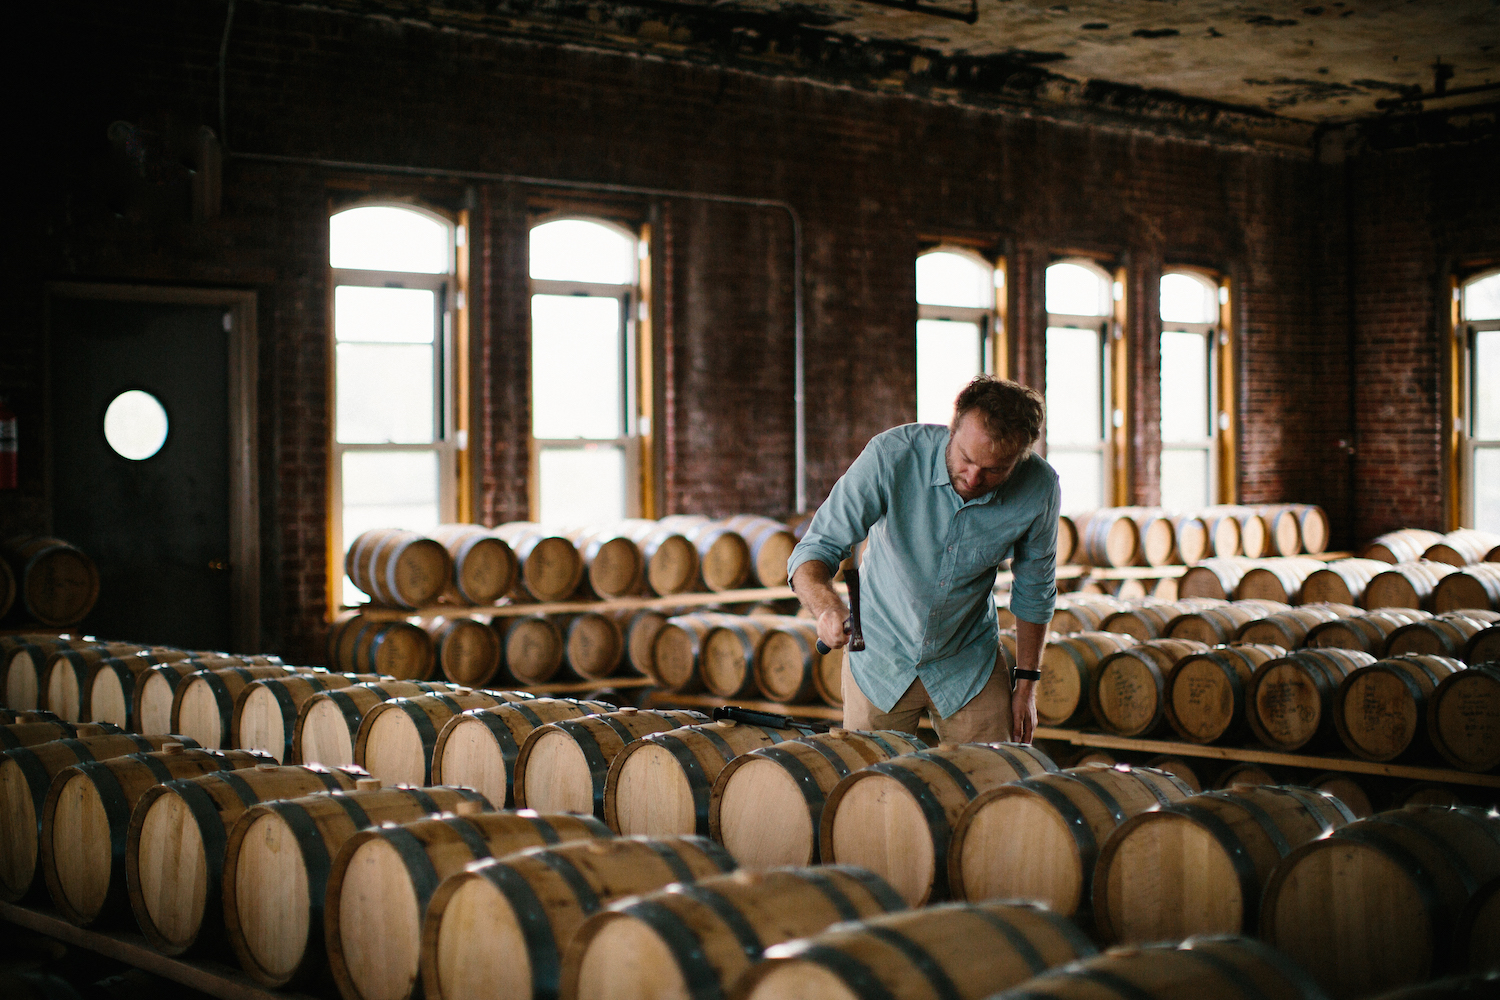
(764, 819)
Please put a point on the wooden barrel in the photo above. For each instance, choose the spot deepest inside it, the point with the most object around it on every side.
(671, 560)
(678, 648)
(1217, 577)
(484, 567)
(535, 647)
(1039, 838)
(1223, 529)
(1283, 529)
(1463, 718)
(1406, 545)
(398, 568)
(1375, 904)
(1207, 692)
(26, 774)
(1199, 865)
(1217, 624)
(398, 649)
(1462, 547)
(1142, 620)
(501, 927)
(698, 940)
(660, 783)
(562, 766)
(1380, 710)
(1342, 581)
(1067, 540)
(1196, 968)
(1354, 791)
(382, 879)
(265, 711)
(1245, 774)
(1289, 629)
(1367, 632)
(829, 680)
(396, 738)
(612, 563)
(1476, 586)
(1290, 704)
(595, 643)
(1184, 769)
(550, 566)
(1445, 635)
(1190, 534)
(1483, 647)
(766, 805)
(203, 704)
(31, 669)
(277, 860)
(55, 583)
(67, 681)
(155, 691)
(111, 688)
(786, 669)
(1277, 579)
(174, 847)
(1479, 931)
(328, 722)
(1129, 694)
(1255, 535)
(1406, 585)
(896, 817)
(1081, 612)
(1158, 538)
(905, 954)
(723, 555)
(86, 816)
(1425, 793)
(478, 748)
(771, 544)
(466, 651)
(28, 734)
(1069, 665)
(1107, 537)
(726, 661)
(21, 663)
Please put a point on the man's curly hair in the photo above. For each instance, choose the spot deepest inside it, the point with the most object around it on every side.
(1010, 411)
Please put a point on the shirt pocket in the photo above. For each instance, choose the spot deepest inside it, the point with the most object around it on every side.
(983, 554)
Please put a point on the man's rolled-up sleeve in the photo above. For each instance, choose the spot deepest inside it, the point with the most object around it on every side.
(855, 503)
(1033, 590)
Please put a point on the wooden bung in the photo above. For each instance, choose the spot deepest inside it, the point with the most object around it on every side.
(1476, 586)
(265, 711)
(1373, 906)
(1198, 866)
(562, 766)
(396, 738)
(398, 568)
(550, 567)
(87, 813)
(203, 704)
(766, 805)
(484, 567)
(382, 879)
(1207, 692)
(329, 721)
(1291, 698)
(1069, 665)
(1039, 838)
(896, 817)
(1406, 585)
(277, 861)
(26, 774)
(1289, 629)
(174, 847)
(1342, 581)
(1463, 718)
(478, 748)
(466, 651)
(1380, 710)
(1367, 632)
(696, 942)
(988, 947)
(501, 927)
(1128, 697)
(661, 783)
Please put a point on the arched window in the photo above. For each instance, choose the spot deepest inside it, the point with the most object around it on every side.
(394, 439)
(955, 319)
(1080, 303)
(1189, 424)
(584, 419)
(1479, 315)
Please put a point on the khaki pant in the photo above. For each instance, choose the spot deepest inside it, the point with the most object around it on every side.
(985, 719)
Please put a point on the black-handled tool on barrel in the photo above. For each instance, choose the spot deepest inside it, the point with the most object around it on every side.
(751, 717)
(851, 624)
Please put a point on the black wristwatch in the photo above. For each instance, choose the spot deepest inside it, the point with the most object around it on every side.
(1028, 675)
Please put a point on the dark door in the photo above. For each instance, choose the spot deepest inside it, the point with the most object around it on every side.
(157, 527)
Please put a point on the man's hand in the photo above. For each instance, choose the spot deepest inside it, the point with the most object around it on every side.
(1023, 712)
(833, 628)
(813, 583)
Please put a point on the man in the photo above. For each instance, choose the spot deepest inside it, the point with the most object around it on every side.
(942, 507)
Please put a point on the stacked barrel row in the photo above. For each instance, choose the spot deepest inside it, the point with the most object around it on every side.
(473, 566)
(1151, 536)
(45, 582)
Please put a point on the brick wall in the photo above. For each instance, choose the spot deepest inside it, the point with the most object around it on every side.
(871, 176)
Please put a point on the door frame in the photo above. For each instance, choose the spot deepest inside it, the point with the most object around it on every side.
(244, 471)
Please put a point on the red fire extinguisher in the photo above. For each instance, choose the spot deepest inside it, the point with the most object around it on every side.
(9, 440)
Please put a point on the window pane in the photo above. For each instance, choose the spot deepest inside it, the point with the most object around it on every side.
(385, 394)
(574, 250)
(384, 315)
(1082, 478)
(953, 279)
(388, 239)
(1482, 298)
(582, 485)
(1075, 290)
(1184, 387)
(1486, 364)
(1075, 394)
(1184, 478)
(385, 489)
(1188, 299)
(949, 354)
(575, 366)
(1487, 489)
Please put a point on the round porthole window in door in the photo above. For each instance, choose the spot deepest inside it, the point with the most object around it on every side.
(135, 425)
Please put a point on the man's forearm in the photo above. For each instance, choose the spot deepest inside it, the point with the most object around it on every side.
(813, 584)
(1031, 638)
